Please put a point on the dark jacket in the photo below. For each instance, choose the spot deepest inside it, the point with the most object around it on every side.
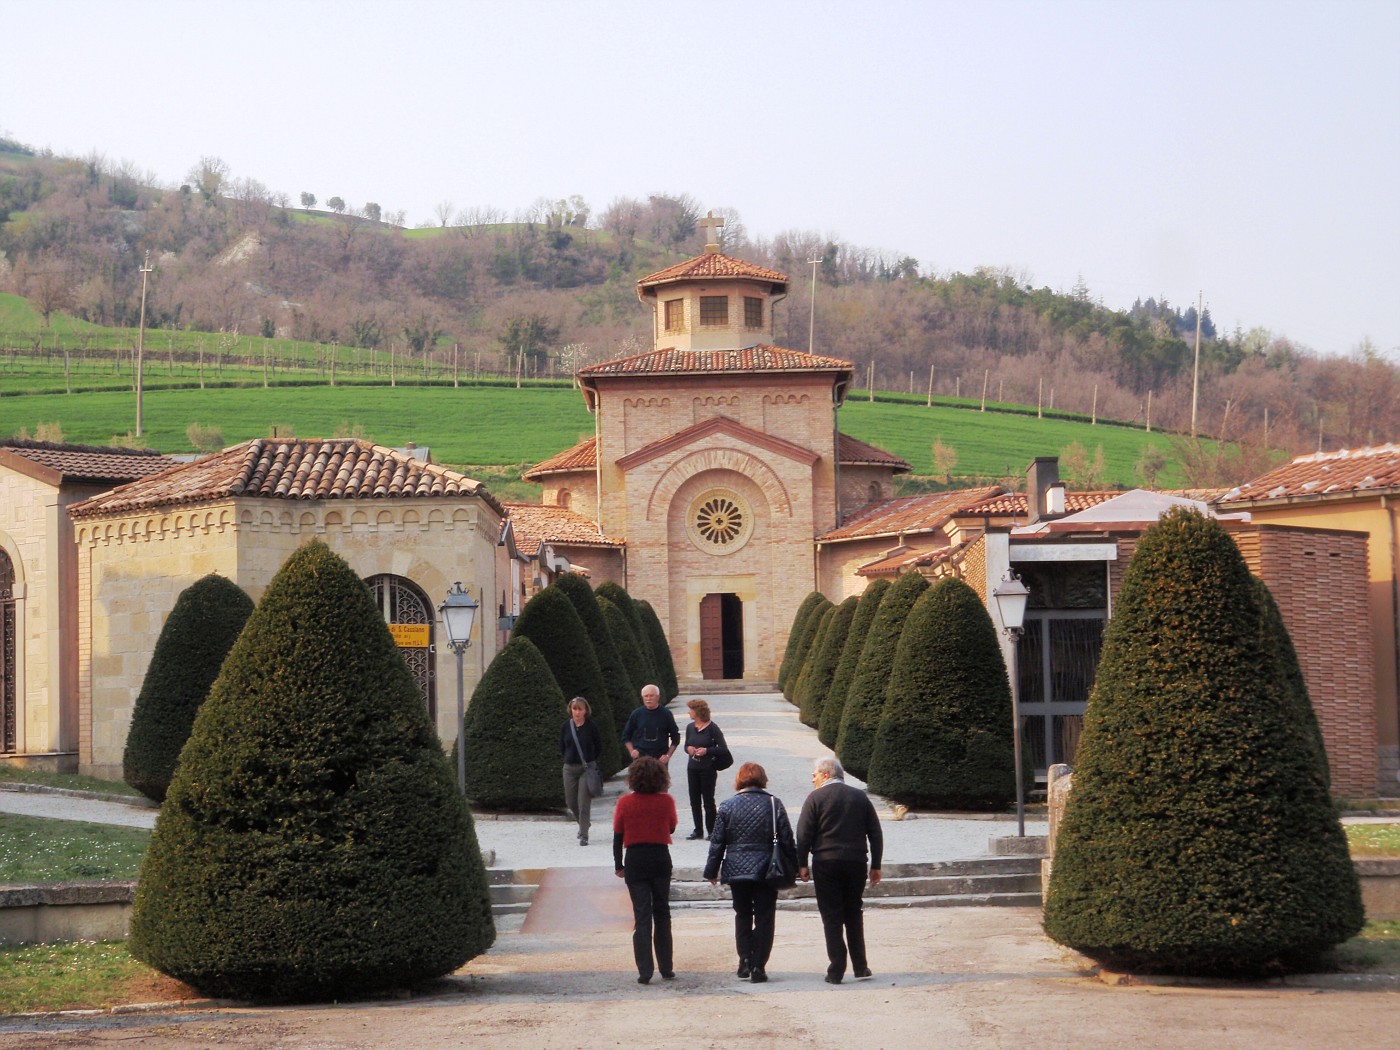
(710, 738)
(589, 739)
(836, 822)
(743, 837)
(651, 732)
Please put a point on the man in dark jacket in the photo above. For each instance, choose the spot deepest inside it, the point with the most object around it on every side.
(836, 823)
(651, 729)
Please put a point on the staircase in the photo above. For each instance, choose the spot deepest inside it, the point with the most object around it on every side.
(708, 687)
(987, 881)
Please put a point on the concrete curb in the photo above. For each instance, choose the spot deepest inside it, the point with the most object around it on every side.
(1364, 982)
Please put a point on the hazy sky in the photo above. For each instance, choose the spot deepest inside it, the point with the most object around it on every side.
(1250, 151)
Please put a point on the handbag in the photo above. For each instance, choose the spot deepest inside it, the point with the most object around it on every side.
(593, 776)
(781, 872)
(723, 757)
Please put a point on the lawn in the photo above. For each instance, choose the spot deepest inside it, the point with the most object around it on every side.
(1373, 840)
(73, 781)
(33, 849)
(79, 975)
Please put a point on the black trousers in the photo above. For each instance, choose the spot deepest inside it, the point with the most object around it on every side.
(839, 885)
(647, 872)
(702, 794)
(755, 909)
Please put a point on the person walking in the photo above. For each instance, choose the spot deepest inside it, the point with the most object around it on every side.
(651, 729)
(704, 743)
(642, 824)
(580, 743)
(836, 823)
(741, 846)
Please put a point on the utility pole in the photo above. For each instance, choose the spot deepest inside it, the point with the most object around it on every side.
(141, 341)
(1196, 369)
(812, 313)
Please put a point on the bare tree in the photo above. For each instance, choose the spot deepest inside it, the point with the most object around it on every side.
(443, 211)
(209, 175)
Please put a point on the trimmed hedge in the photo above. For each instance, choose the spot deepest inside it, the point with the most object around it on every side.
(945, 736)
(610, 709)
(799, 618)
(865, 701)
(201, 629)
(631, 649)
(550, 621)
(313, 843)
(616, 594)
(1199, 836)
(806, 634)
(829, 728)
(660, 650)
(799, 684)
(816, 683)
(511, 729)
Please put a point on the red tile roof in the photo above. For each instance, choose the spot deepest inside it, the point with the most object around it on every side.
(583, 456)
(91, 464)
(711, 266)
(1351, 472)
(335, 468)
(757, 358)
(1013, 504)
(535, 524)
(855, 453)
(905, 515)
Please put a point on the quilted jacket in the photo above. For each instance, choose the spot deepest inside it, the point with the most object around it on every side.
(742, 841)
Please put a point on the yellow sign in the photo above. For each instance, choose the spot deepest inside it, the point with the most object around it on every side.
(410, 635)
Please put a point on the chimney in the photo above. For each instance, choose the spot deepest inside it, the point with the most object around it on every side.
(1045, 493)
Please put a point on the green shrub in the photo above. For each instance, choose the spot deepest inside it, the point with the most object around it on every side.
(813, 687)
(610, 709)
(799, 683)
(631, 649)
(807, 635)
(865, 701)
(829, 728)
(549, 620)
(660, 650)
(197, 635)
(511, 729)
(944, 739)
(799, 619)
(1199, 836)
(618, 596)
(313, 843)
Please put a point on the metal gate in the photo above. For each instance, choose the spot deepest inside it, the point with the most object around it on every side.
(410, 618)
(1057, 657)
(9, 674)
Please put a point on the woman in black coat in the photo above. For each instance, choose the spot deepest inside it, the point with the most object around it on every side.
(741, 846)
(704, 743)
(580, 743)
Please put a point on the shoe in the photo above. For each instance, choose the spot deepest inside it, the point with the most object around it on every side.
(644, 978)
(743, 972)
(583, 840)
(668, 975)
(863, 973)
(833, 978)
(696, 834)
(758, 976)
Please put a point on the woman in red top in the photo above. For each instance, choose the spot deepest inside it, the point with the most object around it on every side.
(643, 822)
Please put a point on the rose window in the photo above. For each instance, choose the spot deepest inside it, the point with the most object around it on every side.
(719, 522)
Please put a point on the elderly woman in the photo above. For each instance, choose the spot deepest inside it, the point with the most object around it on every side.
(580, 743)
(740, 848)
(704, 743)
(642, 823)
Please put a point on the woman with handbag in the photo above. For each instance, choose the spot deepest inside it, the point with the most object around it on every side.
(708, 752)
(752, 850)
(580, 743)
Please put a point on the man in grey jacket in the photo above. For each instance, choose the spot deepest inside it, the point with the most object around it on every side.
(837, 822)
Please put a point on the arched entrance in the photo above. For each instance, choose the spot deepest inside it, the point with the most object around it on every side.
(410, 618)
(9, 671)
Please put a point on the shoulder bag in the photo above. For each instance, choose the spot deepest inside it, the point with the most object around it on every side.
(781, 872)
(593, 776)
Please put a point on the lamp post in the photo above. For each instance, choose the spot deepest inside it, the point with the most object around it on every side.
(458, 611)
(1011, 596)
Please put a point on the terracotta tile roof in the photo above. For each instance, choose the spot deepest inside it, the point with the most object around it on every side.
(757, 358)
(853, 452)
(334, 469)
(711, 266)
(583, 456)
(1350, 472)
(535, 524)
(892, 564)
(905, 515)
(1013, 504)
(93, 464)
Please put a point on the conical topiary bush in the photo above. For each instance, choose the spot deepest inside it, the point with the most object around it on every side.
(618, 595)
(510, 730)
(630, 648)
(829, 727)
(808, 634)
(799, 684)
(865, 701)
(313, 842)
(549, 620)
(201, 629)
(812, 690)
(609, 710)
(945, 737)
(660, 650)
(1199, 836)
(799, 619)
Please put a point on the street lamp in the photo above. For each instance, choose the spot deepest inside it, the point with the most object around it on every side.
(1011, 596)
(458, 611)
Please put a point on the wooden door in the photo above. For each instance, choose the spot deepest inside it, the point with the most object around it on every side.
(712, 636)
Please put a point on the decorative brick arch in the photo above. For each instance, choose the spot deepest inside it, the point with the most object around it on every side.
(727, 459)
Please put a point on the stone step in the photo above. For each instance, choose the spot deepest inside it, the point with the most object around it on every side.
(942, 900)
(709, 687)
(964, 885)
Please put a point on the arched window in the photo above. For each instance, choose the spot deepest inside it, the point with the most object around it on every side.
(9, 673)
(874, 491)
(409, 614)
(563, 498)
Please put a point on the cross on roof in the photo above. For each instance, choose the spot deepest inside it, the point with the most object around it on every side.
(711, 224)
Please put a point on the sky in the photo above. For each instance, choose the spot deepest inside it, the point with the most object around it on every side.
(1245, 152)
